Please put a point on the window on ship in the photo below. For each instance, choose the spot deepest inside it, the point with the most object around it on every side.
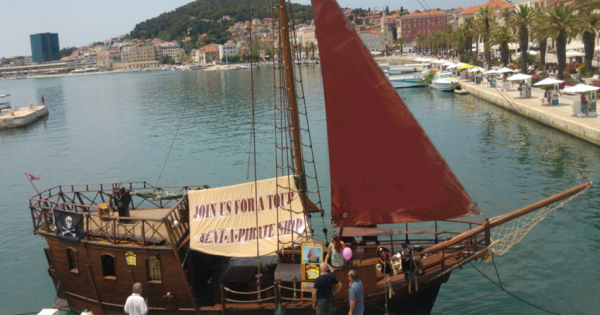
(73, 261)
(108, 267)
(153, 269)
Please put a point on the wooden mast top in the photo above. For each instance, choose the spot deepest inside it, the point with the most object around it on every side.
(292, 99)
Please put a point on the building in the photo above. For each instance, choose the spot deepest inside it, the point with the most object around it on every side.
(495, 5)
(85, 61)
(378, 40)
(306, 35)
(172, 49)
(105, 59)
(228, 49)
(208, 53)
(423, 23)
(144, 56)
(454, 16)
(44, 47)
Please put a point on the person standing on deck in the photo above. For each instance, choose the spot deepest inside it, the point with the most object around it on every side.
(326, 285)
(334, 250)
(355, 295)
(135, 304)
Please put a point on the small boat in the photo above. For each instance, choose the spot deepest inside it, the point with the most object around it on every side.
(444, 81)
(413, 79)
(246, 67)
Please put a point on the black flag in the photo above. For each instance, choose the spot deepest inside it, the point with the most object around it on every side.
(69, 225)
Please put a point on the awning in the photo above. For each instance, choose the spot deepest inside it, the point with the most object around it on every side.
(548, 81)
(581, 88)
(519, 77)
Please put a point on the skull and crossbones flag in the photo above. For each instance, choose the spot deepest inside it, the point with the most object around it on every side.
(69, 225)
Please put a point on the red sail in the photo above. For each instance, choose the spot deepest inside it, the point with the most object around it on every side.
(384, 168)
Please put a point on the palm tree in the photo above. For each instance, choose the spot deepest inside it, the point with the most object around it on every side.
(486, 19)
(400, 42)
(471, 33)
(591, 25)
(502, 36)
(521, 20)
(458, 41)
(560, 22)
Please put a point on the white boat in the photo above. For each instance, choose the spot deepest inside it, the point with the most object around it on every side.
(416, 79)
(444, 81)
(246, 67)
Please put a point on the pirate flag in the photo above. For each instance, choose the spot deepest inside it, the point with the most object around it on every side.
(69, 225)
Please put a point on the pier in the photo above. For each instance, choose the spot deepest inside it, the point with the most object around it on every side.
(21, 116)
(557, 116)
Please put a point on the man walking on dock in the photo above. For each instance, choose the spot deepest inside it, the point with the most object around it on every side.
(355, 295)
(326, 285)
(136, 305)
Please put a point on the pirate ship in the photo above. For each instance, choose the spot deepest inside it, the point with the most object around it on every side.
(237, 249)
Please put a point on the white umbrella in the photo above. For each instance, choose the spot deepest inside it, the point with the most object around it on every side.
(492, 71)
(532, 52)
(439, 61)
(419, 59)
(519, 77)
(504, 70)
(581, 88)
(460, 64)
(572, 53)
(549, 81)
(476, 69)
(426, 59)
(453, 66)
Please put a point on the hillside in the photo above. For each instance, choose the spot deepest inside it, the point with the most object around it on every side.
(202, 16)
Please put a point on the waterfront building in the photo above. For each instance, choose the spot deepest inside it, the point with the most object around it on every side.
(379, 38)
(85, 61)
(423, 23)
(454, 16)
(228, 49)
(172, 49)
(44, 47)
(106, 59)
(208, 53)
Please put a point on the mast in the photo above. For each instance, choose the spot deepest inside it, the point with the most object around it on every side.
(292, 99)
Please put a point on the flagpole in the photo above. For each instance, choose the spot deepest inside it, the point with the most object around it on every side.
(32, 184)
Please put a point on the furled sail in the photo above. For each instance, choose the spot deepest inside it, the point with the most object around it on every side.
(384, 168)
(224, 221)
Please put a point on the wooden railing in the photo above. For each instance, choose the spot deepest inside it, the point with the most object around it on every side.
(172, 228)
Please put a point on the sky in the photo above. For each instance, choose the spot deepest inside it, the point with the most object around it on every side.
(79, 22)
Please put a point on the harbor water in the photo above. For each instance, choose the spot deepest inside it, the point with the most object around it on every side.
(119, 127)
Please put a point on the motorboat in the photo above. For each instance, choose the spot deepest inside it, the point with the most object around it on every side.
(444, 81)
(416, 79)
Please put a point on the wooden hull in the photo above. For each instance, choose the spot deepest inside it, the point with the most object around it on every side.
(87, 287)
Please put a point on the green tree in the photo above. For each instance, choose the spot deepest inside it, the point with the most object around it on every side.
(502, 36)
(591, 25)
(521, 21)
(486, 19)
(400, 42)
(561, 22)
(168, 60)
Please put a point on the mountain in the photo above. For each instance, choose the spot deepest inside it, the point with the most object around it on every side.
(202, 16)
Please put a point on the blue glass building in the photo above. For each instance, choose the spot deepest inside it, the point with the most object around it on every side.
(44, 47)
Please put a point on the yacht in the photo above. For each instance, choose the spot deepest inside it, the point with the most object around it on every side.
(413, 79)
(444, 81)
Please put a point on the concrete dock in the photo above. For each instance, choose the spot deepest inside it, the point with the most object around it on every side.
(557, 116)
(21, 116)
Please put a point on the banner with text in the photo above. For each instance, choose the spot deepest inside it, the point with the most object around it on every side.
(223, 221)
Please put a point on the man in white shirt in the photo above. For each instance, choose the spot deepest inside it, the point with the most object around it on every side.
(135, 304)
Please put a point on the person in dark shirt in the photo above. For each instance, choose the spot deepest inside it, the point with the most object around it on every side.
(326, 285)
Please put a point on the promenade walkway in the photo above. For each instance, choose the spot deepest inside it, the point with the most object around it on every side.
(557, 116)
